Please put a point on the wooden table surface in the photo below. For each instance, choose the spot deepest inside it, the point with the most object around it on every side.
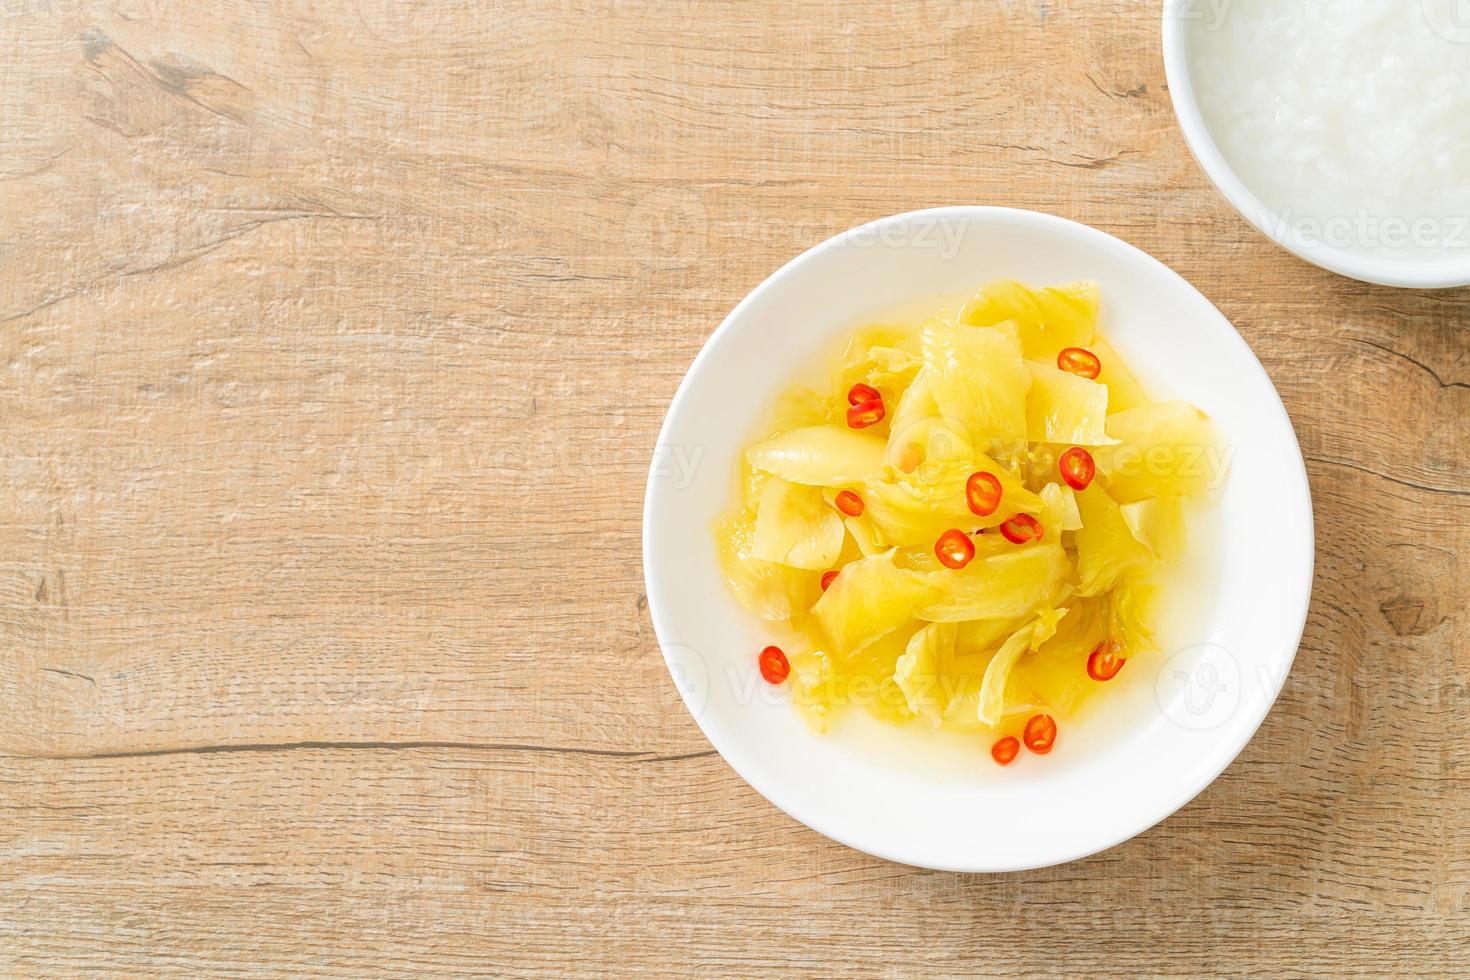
(335, 341)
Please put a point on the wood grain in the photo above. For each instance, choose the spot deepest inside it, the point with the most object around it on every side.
(317, 317)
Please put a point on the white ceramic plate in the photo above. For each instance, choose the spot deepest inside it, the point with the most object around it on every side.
(1147, 749)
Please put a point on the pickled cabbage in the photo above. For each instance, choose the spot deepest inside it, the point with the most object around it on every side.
(1167, 450)
(796, 527)
(877, 619)
(870, 598)
(1047, 320)
(1063, 408)
(919, 673)
(819, 455)
(769, 589)
(979, 382)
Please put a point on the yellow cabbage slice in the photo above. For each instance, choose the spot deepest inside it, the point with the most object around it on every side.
(1009, 584)
(769, 590)
(919, 672)
(1106, 548)
(979, 381)
(965, 674)
(997, 673)
(1057, 672)
(799, 408)
(922, 558)
(867, 676)
(1064, 408)
(820, 455)
(1167, 450)
(877, 660)
(982, 636)
(923, 449)
(915, 508)
(850, 550)
(914, 406)
(1158, 524)
(870, 598)
(1130, 607)
(1124, 391)
(962, 712)
(752, 485)
(815, 687)
(913, 515)
(887, 702)
(894, 336)
(1047, 320)
(796, 526)
(889, 369)
(865, 534)
(1059, 508)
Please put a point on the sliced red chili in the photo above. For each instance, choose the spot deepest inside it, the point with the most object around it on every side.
(954, 549)
(982, 493)
(864, 414)
(860, 393)
(827, 578)
(1104, 663)
(774, 666)
(1079, 361)
(1040, 734)
(1022, 528)
(1077, 467)
(1005, 750)
(849, 503)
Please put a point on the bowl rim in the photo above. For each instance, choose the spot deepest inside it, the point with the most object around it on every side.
(1438, 274)
(1242, 731)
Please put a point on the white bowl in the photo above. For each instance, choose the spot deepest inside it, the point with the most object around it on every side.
(1153, 744)
(1425, 274)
